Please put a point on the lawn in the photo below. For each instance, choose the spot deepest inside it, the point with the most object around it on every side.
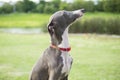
(33, 20)
(23, 20)
(96, 57)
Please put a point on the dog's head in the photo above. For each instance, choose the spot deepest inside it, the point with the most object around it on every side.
(60, 20)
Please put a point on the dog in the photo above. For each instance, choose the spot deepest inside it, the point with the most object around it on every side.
(55, 62)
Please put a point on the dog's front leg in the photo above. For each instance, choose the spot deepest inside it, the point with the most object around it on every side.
(34, 76)
(52, 75)
(65, 78)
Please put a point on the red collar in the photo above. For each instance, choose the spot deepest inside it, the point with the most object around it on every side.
(59, 48)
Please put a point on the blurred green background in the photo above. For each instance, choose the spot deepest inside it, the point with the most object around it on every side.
(95, 38)
(102, 16)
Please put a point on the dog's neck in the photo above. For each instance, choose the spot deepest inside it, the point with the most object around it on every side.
(65, 42)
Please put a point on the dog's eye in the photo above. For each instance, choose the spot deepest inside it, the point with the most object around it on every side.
(51, 24)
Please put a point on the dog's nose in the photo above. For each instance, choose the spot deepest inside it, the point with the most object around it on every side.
(83, 10)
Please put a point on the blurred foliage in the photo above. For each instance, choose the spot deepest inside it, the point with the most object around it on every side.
(111, 5)
(97, 25)
(55, 5)
(6, 8)
(94, 24)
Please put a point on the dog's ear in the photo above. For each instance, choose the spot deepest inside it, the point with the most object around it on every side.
(51, 28)
(55, 29)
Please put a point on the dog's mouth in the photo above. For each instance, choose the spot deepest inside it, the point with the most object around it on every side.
(82, 11)
(79, 13)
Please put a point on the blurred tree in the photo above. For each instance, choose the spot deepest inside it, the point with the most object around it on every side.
(63, 6)
(112, 5)
(42, 2)
(28, 6)
(54, 4)
(117, 4)
(40, 7)
(7, 8)
(99, 6)
(19, 6)
(78, 4)
(49, 8)
(0, 10)
(89, 6)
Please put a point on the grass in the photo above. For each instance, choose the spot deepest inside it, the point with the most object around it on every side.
(32, 20)
(96, 57)
(23, 20)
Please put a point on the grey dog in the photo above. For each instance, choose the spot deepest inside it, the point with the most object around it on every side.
(55, 63)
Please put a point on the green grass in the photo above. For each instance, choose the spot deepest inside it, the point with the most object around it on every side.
(23, 20)
(96, 57)
(32, 20)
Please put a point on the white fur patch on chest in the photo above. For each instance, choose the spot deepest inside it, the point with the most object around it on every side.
(67, 60)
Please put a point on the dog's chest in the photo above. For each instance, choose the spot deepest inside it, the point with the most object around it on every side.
(67, 62)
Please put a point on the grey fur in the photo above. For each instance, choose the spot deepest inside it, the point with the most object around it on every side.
(50, 64)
